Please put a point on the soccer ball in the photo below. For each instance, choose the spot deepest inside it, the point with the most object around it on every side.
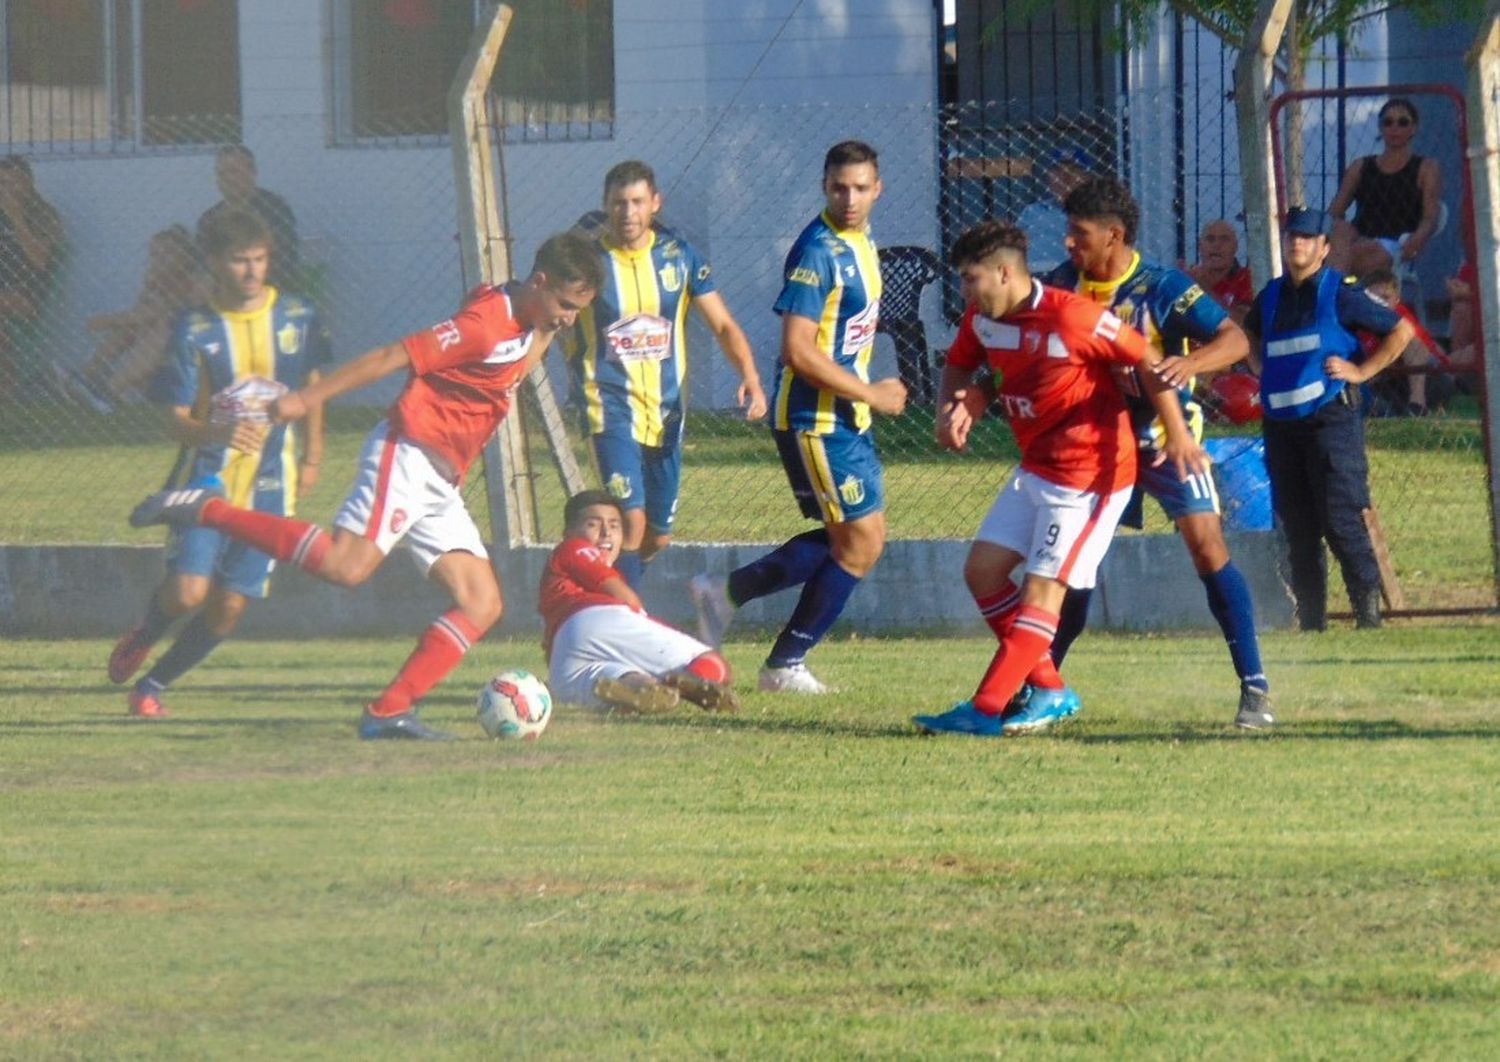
(514, 704)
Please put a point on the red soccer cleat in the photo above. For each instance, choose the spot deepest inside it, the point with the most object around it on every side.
(128, 655)
(145, 705)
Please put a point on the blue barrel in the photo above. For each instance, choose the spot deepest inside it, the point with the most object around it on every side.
(1244, 485)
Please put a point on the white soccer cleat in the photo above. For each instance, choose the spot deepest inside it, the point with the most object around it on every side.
(715, 610)
(794, 678)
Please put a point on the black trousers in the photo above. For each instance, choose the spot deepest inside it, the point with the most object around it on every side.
(910, 339)
(1320, 487)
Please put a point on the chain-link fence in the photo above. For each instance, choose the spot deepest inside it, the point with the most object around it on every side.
(80, 443)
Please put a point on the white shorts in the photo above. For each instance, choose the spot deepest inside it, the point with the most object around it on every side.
(400, 497)
(607, 641)
(1063, 532)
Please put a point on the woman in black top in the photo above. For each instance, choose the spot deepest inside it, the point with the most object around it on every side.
(1395, 194)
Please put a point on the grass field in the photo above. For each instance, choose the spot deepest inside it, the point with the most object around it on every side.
(806, 879)
(74, 475)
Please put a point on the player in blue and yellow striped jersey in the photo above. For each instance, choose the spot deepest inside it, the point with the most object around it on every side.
(227, 362)
(829, 306)
(1195, 335)
(628, 357)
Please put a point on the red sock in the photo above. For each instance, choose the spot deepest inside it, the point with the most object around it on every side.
(710, 667)
(1045, 675)
(999, 610)
(294, 541)
(438, 651)
(1028, 640)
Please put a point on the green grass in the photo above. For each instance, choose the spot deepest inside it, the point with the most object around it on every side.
(75, 475)
(806, 879)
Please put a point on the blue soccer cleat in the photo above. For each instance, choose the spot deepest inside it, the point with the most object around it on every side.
(179, 507)
(1042, 709)
(405, 726)
(962, 718)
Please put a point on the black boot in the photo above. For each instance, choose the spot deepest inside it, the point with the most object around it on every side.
(1366, 608)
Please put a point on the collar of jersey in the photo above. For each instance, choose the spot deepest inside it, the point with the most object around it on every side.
(641, 252)
(843, 232)
(1104, 290)
(247, 315)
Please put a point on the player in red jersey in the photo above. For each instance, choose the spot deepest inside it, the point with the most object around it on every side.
(1050, 351)
(463, 373)
(603, 650)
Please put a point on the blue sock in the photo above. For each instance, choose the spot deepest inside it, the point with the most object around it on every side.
(821, 603)
(195, 642)
(631, 568)
(1229, 601)
(1071, 620)
(791, 563)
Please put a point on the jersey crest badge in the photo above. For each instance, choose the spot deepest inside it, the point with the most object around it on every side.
(289, 339)
(619, 485)
(852, 490)
(671, 279)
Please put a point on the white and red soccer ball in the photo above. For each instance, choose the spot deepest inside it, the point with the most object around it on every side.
(514, 704)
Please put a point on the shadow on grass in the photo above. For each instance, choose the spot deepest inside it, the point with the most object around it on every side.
(1331, 730)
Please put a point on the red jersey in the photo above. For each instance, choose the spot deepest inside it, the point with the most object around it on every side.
(571, 582)
(463, 372)
(1051, 357)
(1234, 290)
(1368, 341)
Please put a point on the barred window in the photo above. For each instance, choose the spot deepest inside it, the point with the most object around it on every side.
(80, 76)
(394, 61)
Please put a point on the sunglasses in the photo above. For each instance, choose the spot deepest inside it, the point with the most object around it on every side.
(1400, 121)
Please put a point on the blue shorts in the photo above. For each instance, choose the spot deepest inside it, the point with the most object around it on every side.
(641, 477)
(1177, 497)
(835, 478)
(233, 565)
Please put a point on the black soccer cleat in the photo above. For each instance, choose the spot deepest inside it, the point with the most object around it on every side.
(179, 508)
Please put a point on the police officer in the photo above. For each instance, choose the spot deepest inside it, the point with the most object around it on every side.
(1301, 327)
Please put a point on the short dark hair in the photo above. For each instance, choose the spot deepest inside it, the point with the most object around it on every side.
(235, 230)
(1382, 277)
(585, 499)
(850, 153)
(1104, 197)
(629, 172)
(1402, 102)
(986, 239)
(569, 258)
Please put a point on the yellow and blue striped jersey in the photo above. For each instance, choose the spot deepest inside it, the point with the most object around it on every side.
(213, 349)
(1167, 307)
(832, 276)
(628, 351)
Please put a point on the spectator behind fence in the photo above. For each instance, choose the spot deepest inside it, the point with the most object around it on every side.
(236, 174)
(132, 344)
(31, 250)
(1396, 197)
(1045, 222)
(1462, 335)
(904, 272)
(1414, 393)
(1302, 330)
(1219, 270)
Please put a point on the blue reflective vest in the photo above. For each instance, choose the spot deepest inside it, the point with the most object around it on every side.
(1292, 381)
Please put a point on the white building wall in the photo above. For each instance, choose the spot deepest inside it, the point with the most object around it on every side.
(733, 103)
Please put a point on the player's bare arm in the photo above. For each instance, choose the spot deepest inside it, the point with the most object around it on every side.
(800, 353)
(1389, 350)
(731, 339)
(242, 435)
(1229, 346)
(310, 467)
(1181, 449)
(617, 587)
(351, 376)
(961, 403)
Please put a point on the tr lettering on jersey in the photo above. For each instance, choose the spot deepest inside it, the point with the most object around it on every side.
(1017, 406)
(447, 334)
